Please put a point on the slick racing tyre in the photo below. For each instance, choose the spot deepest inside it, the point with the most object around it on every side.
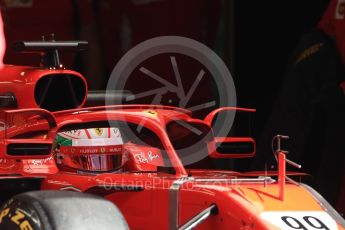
(60, 210)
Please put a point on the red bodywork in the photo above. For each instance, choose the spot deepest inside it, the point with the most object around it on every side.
(148, 199)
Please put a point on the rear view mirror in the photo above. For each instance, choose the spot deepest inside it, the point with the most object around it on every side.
(23, 134)
(26, 148)
(232, 147)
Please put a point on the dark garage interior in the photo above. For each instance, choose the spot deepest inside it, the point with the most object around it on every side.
(257, 40)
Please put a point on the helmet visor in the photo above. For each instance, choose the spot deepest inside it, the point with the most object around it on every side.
(91, 158)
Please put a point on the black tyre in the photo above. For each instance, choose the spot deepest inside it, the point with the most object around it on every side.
(60, 210)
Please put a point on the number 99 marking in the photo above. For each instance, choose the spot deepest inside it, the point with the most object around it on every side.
(304, 220)
(310, 220)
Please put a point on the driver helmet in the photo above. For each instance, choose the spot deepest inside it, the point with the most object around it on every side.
(89, 150)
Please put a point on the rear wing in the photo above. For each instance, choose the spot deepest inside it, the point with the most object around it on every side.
(15, 124)
(49, 50)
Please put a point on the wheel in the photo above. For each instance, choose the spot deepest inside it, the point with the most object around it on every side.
(58, 210)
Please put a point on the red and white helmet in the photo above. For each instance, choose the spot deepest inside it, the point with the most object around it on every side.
(92, 150)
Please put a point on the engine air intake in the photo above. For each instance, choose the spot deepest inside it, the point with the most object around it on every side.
(59, 92)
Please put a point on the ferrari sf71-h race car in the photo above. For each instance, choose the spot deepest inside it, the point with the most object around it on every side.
(64, 165)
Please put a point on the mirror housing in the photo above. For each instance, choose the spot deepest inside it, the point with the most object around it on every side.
(211, 116)
(26, 149)
(231, 147)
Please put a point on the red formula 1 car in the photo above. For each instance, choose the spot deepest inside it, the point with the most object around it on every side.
(119, 167)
